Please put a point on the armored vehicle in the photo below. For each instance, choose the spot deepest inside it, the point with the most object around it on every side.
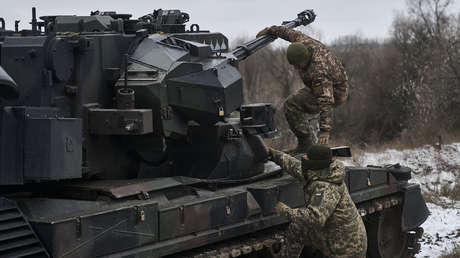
(124, 137)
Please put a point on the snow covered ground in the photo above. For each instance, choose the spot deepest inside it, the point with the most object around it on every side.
(442, 231)
(435, 170)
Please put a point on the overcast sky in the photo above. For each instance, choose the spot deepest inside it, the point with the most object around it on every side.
(234, 18)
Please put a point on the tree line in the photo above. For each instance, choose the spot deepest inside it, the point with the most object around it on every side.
(406, 87)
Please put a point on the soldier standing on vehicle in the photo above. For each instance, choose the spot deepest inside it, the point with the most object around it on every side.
(329, 223)
(326, 85)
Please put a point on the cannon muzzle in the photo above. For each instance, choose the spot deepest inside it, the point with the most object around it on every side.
(242, 52)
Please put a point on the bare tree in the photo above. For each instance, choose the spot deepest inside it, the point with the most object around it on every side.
(428, 38)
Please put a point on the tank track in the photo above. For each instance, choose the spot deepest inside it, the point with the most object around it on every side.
(266, 243)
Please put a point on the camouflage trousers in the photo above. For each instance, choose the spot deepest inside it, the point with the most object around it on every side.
(302, 114)
(308, 242)
(297, 241)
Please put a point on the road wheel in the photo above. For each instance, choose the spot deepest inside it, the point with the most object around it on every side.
(385, 236)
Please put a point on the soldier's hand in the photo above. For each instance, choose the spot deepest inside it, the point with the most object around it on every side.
(323, 138)
(263, 32)
(270, 153)
(279, 207)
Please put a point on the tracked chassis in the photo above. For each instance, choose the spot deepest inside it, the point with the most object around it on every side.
(121, 137)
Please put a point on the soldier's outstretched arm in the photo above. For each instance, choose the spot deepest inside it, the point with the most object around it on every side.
(289, 34)
(290, 165)
(323, 202)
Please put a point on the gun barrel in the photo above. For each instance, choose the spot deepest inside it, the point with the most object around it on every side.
(242, 52)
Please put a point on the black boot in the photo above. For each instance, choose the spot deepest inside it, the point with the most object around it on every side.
(303, 144)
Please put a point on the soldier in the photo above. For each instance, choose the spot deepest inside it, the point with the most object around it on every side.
(326, 85)
(329, 223)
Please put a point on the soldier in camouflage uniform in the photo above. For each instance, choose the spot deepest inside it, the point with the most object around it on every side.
(326, 85)
(329, 223)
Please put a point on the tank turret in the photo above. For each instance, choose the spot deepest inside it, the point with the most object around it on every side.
(182, 85)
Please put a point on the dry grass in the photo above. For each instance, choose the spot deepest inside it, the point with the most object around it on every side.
(452, 193)
(455, 253)
(444, 195)
(435, 198)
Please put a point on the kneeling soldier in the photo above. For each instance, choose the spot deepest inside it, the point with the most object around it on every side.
(329, 222)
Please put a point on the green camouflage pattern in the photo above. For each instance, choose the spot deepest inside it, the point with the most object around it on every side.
(325, 76)
(329, 222)
(296, 109)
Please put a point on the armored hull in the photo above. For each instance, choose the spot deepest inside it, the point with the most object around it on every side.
(173, 215)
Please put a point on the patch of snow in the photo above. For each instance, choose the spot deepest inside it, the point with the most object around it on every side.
(432, 168)
(442, 231)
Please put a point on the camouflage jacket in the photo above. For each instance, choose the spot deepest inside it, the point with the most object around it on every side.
(325, 75)
(329, 214)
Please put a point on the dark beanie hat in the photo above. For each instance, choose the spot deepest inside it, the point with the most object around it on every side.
(319, 157)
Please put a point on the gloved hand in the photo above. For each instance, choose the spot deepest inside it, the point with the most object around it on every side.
(323, 138)
(263, 32)
(270, 153)
(279, 207)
